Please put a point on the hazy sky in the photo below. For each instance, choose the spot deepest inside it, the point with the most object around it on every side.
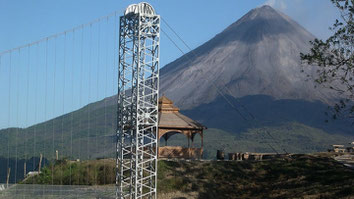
(25, 21)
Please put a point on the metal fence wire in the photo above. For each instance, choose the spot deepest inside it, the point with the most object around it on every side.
(34, 191)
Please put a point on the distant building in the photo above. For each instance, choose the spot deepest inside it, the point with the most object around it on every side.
(172, 122)
(255, 156)
(339, 148)
(351, 147)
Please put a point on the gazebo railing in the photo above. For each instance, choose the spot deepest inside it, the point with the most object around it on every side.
(179, 152)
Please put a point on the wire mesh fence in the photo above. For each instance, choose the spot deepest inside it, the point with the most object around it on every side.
(34, 191)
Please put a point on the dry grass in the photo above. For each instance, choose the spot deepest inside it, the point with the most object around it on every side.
(301, 176)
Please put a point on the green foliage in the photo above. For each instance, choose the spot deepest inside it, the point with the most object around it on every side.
(335, 60)
(95, 172)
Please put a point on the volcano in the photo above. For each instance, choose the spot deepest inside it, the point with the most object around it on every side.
(257, 55)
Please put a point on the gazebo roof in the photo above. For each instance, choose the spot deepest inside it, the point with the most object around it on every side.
(170, 117)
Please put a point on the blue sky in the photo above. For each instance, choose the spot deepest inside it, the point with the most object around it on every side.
(25, 21)
(197, 21)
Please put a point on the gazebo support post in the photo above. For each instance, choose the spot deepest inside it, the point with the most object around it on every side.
(165, 138)
(192, 138)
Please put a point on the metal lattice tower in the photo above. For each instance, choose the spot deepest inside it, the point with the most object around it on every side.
(138, 85)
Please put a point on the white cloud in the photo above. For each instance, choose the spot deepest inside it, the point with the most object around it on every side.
(270, 3)
(278, 4)
(315, 15)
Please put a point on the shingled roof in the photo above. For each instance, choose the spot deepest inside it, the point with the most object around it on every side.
(170, 117)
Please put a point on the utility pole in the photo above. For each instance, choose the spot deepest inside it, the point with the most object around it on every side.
(138, 81)
(40, 163)
(24, 169)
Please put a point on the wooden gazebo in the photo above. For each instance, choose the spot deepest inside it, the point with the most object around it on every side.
(171, 122)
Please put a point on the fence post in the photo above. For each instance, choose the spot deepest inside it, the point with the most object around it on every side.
(8, 177)
(40, 163)
(24, 170)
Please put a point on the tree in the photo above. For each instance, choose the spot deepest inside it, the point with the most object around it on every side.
(334, 61)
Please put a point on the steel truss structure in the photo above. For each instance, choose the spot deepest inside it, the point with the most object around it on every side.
(138, 85)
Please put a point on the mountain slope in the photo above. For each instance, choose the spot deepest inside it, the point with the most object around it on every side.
(257, 55)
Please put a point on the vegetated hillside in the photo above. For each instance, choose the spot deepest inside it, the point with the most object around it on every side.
(76, 138)
(98, 139)
(288, 137)
(83, 134)
(261, 110)
(299, 176)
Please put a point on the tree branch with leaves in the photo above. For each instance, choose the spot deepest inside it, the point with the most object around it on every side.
(334, 60)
